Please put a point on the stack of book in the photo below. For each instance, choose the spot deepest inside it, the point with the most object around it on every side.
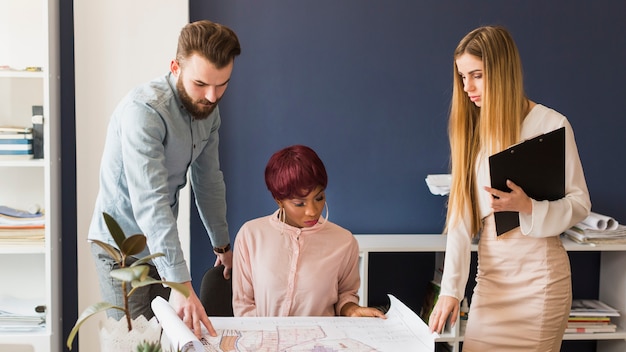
(20, 226)
(16, 142)
(590, 316)
(597, 229)
(21, 315)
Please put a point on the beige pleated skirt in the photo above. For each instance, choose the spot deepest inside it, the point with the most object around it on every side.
(523, 293)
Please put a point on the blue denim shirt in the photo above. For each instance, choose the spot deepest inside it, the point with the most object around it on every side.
(151, 143)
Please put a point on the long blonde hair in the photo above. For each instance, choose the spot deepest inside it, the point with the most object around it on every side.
(491, 128)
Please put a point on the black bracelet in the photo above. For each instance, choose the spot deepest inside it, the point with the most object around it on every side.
(222, 249)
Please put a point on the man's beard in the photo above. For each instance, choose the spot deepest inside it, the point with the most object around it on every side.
(195, 108)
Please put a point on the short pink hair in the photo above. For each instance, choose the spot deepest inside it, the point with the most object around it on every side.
(294, 172)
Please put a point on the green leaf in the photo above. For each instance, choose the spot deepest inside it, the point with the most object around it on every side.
(112, 251)
(146, 346)
(145, 282)
(91, 310)
(129, 274)
(147, 258)
(142, 282)
(134, 244)
(114, 229)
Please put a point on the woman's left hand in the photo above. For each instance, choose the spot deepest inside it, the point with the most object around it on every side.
(516, 200)
(354, 310)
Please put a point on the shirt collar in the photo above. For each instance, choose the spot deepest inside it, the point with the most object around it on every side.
(286, 228)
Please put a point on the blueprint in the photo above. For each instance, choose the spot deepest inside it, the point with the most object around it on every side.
(403, 330)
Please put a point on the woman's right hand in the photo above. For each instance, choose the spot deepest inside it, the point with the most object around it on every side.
(445, 306)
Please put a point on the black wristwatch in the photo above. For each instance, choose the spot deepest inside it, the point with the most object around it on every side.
(224, 249)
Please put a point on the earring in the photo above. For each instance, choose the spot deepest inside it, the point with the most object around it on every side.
(327, 211)
(282, 217)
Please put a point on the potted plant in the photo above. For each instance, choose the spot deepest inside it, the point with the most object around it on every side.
(135, 274)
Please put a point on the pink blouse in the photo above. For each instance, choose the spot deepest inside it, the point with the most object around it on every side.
(281, 270)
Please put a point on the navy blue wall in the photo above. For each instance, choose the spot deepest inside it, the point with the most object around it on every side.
(367, 85)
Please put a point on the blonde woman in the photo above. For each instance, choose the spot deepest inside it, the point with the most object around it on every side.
(523, 285)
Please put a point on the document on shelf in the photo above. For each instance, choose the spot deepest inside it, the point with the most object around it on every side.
(403, 330)
(439, 184)
(592, 308)
(537, 165)
(598, 222)
(21, 315)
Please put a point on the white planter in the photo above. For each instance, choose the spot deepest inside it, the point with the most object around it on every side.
(115, 337)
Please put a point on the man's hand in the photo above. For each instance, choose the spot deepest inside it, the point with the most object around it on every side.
(191, 311)
(516, 200)
(227, 260)
(445, 306)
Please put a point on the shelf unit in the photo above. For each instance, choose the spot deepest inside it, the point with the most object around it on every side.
(29, 38)
(612, 288)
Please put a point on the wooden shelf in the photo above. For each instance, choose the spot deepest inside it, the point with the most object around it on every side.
(612, 288)
(23, 248)
(20, 74)
(31, 270)
(7, 162)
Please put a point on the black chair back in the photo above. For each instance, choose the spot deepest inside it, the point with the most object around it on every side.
(216, 293)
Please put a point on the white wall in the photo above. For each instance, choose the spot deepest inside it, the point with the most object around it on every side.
(118, 44)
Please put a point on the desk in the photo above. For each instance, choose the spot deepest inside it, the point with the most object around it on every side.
(401, 331)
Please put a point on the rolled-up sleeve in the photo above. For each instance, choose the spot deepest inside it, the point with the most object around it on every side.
(208, 185)
(349, 281)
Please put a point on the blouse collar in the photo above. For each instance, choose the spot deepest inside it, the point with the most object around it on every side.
(286, 228)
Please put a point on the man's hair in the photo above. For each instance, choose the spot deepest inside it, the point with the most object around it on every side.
(215, 42)
(294, 172)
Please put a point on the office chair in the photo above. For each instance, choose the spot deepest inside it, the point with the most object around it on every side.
(216, 293)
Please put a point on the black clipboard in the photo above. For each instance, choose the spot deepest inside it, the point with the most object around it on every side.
(537, 165)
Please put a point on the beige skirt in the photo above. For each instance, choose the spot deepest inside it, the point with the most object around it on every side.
(523, 293)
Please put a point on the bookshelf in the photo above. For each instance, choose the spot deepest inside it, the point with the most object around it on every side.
(30, 270)
(612, 286)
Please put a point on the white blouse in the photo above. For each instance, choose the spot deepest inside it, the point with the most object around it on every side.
(548, 218)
